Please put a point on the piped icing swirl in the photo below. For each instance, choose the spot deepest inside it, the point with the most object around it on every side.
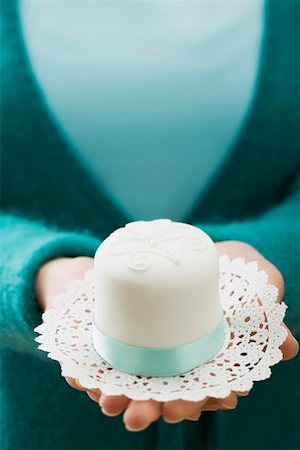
(140, 240)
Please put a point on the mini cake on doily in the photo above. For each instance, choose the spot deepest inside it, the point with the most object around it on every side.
(157, 310)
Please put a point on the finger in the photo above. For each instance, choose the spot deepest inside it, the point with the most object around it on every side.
(242, 393)
(215, 404)
(290, 347)
(74, 384)
(113, 405)
(178, 410)
(229, 402)
(141, 413)
(83, 388)
(94, 395)
(194, 417)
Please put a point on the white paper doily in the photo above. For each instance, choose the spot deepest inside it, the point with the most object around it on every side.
(254, 334)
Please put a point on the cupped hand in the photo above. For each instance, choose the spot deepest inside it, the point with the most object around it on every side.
(53, 278)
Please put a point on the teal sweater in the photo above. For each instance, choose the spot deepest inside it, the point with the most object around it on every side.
(52, 207)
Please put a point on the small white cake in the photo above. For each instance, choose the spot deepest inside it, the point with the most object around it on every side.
(157, 309)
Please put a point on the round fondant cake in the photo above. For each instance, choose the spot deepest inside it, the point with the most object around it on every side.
(157, 310)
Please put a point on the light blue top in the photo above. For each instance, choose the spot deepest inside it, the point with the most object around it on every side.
(152, 94)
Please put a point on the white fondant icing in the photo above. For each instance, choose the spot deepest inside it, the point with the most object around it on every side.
(157, 284)
(151, 238)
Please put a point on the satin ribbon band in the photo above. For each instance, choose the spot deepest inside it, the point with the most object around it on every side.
(158, 361)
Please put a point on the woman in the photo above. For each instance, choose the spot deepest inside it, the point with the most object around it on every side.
(185, 110)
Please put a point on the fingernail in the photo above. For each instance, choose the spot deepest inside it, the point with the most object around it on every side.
(194, 418)
(109, 414)
(128, 428)
(223, 405)
(172, 421)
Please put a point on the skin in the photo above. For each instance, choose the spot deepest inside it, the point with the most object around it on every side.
(138, 415)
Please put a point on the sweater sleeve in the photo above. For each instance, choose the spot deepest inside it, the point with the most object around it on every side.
(275, 234)
(25, 247)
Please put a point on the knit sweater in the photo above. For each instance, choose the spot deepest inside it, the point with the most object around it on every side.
(53, 207)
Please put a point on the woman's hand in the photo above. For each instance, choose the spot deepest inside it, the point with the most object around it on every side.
(55, 275)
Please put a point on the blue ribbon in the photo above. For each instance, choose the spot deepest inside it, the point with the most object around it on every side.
(166, 361)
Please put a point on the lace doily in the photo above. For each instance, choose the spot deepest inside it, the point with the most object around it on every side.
(254, 334)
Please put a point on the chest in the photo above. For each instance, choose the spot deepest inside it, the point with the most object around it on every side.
(151, 94)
